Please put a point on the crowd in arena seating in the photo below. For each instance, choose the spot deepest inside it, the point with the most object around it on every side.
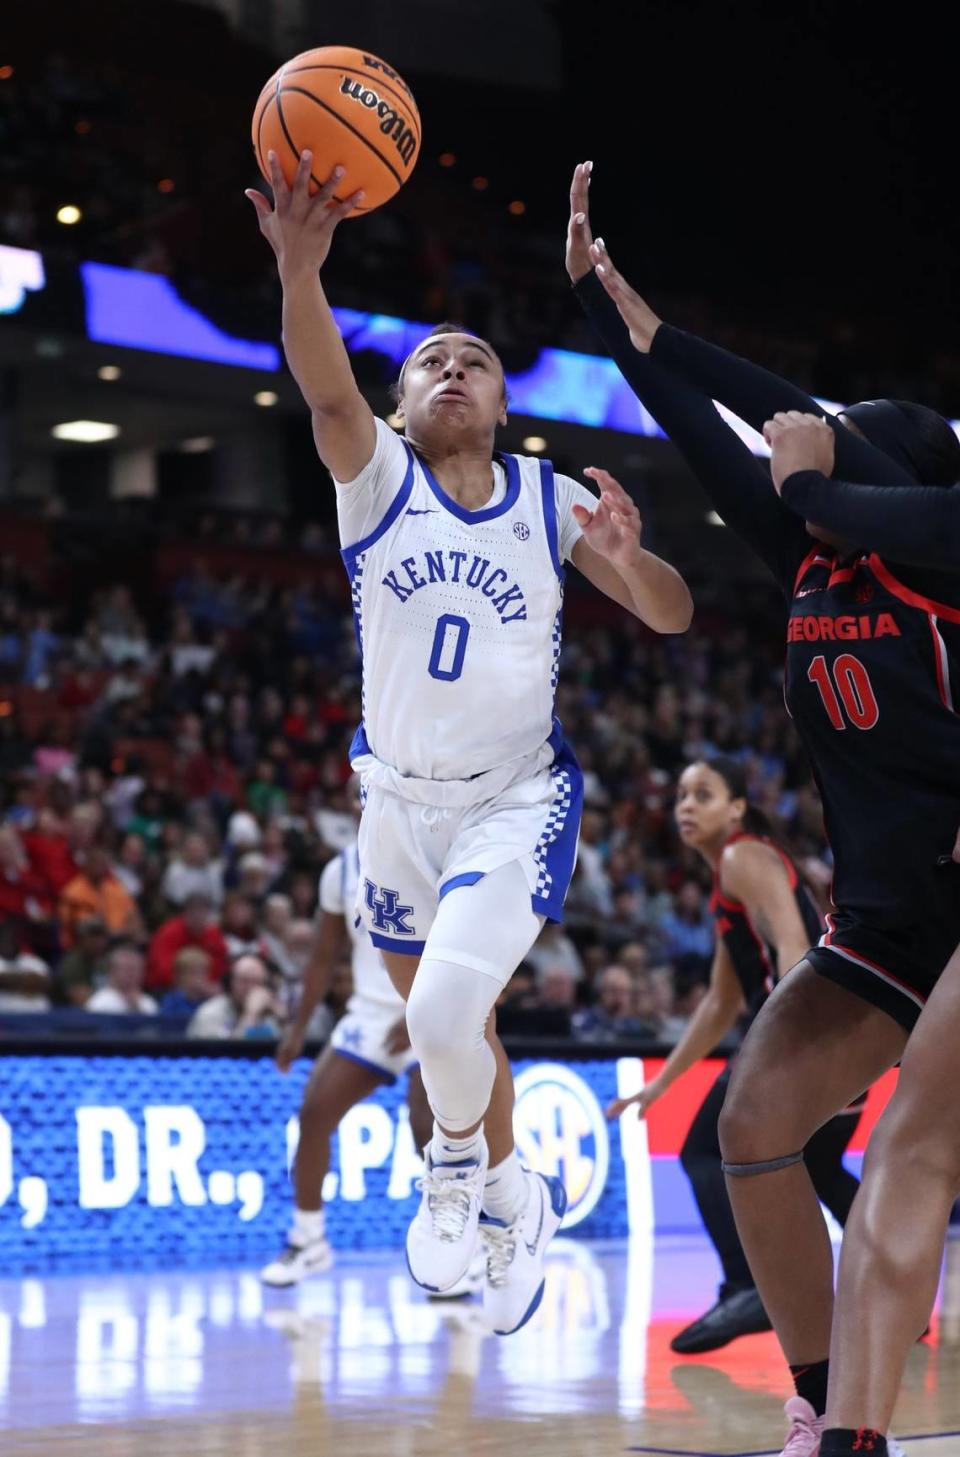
(174, 776)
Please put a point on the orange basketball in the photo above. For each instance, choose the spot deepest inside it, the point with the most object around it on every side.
(348, 108)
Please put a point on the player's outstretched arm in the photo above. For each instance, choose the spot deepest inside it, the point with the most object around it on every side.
(737, 484)
(916, 525)
(299, 229)
(609, 555)
(711, 1021)
(750, 391)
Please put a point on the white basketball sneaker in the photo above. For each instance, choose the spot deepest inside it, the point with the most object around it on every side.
(472, 1282)
(515, 1255)
(296, 1262)
(443, 1233)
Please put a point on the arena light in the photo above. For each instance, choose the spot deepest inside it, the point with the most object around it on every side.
(5, 73)
(265, 398)
(197, 445)
(109, 372)
(89, 432)
(517, 208)
(480, 184)
(21, 272)
(447, 159)
(68, 214)
(534, 443)
(715, 519)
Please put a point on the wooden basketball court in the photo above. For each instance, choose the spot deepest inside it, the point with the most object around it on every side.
(359, 1362)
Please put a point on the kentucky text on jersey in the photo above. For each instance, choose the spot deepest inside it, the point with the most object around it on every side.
(820, 628)
(447, 565)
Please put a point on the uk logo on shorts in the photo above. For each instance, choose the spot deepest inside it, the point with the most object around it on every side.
(560, 1129)
(388, 914)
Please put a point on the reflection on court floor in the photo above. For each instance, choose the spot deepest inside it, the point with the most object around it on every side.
(360, 1362)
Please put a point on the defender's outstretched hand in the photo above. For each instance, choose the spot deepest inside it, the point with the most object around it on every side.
(298, 227)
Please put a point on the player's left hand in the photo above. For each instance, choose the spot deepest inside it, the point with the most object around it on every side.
(613, 528)
(398, 1038)
(798, 442)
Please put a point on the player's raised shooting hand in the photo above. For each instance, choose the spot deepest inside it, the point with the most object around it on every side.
(579, 236)
(798, 442)
(613, 528)
(635, 312)
(298, 227)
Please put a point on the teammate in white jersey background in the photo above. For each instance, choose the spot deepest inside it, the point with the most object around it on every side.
(472, 799)
(369, 1046)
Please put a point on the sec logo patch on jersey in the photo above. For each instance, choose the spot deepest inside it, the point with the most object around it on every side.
(521, 530)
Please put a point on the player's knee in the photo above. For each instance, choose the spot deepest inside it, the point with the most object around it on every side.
(920, 1151)
(747, 1130)
(437, 1027)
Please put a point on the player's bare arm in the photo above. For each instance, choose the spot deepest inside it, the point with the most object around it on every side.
(714, 1017)
(754, 874)
(610, 555)
(329, 941)
(299, 229)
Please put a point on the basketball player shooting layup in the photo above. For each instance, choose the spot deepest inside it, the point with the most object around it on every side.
(456, 555)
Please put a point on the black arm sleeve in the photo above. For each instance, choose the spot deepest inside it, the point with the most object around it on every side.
(755, 395)
(918, 525)
(737, 484)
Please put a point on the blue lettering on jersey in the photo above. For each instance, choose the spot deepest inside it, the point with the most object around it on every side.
(387, 914)
(447, 566)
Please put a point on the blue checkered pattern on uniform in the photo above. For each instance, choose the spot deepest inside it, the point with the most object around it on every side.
(553, 828)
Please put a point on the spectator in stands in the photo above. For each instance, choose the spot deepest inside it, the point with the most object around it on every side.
(239, 923)
(57, 850)
(192, 984)
(688, 929)
(83, 969)
(553, 948)
(130, 864)
(24, 894)
(613, 1017)
(274, 929)
(193, 871)
(194, 927)
(96, 891)
(247, 1006)
(254, 876)
(24, 977)
(558, 997)
(123, 991)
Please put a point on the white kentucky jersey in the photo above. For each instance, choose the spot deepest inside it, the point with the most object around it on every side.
(339, 883)
(457, 612)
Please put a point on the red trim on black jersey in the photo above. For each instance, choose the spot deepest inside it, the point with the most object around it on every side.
(906, 594)
(858, 957)
(942, 664)
(812, 556)
(841, 574)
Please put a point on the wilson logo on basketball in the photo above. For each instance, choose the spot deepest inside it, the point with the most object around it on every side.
(392, 122)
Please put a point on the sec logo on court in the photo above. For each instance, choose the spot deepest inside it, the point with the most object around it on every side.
(560, 1129)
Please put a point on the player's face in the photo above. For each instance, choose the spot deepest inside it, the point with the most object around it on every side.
(452, 387)
(705, 811)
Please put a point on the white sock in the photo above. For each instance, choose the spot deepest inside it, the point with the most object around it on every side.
(447, 1149)
(308, 1226)
(506, 1189)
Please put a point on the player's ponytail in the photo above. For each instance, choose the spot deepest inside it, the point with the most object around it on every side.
(734, 777)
